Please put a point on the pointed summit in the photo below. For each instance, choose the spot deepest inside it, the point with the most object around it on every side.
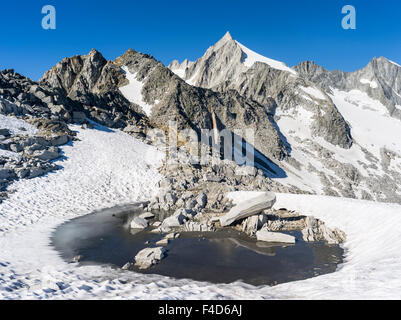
(227, 39)
(227, 36)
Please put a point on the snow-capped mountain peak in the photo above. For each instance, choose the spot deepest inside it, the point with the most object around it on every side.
(226, 59)
(227, 36)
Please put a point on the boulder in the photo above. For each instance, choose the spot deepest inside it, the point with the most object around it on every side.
(16, 147)
(173, 221)
(212, 178)
(163, 242)
(202, 199)
(60, 140)
(147, 215)
(77, 259)
(176, 220)
(172, 235)
(249, 208)
(34, 147)
(191, 204)
(149, 256)
(5, 132)
(78, 117)
(171, 198)
(127, 266)
(35, 172)
(138, 223)
(6, 173)
(21, 172)
(267, 236)
(46, 155)
(250, 225)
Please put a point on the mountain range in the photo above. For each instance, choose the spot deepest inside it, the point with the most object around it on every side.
(316, 131)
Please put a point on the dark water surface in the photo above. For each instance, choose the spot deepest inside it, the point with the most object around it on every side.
(218, 257)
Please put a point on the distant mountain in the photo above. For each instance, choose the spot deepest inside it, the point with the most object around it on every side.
(380, 79)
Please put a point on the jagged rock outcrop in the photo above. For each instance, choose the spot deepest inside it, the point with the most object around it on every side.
(23, 97)
(44, 110)
(93, 82)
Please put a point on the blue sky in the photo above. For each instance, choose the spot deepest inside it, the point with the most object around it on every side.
(288, 30)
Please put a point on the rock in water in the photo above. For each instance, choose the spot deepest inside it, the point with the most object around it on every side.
(162, 242)
(127, 266)
(249, 208)
(176, 220)
(264, 235)
(147, 215)
(77, 259)
(172, 235)
(148, 257)
(138, 223)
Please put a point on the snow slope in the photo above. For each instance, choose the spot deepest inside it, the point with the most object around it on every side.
(395, 63)
(133, 91)
(252, 57)
(314, 92)
(179, 72)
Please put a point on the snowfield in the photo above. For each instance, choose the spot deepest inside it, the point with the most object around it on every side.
(252, 57)
(133, 91)
(107, 168)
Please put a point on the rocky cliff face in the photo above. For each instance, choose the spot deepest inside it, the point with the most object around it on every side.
(172, 99)
(22, 96)
(93, 82)
(107, 94)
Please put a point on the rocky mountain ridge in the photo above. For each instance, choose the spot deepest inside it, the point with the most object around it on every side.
(309, 136)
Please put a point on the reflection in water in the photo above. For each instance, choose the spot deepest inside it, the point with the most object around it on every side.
(255, 247)
(219, 257)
